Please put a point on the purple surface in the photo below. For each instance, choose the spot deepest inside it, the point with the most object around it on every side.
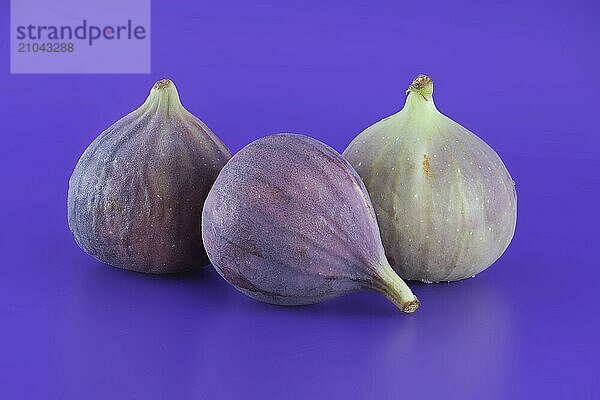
(523, 76)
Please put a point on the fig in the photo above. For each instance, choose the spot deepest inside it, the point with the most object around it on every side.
(445, 202)
(289, 222)
(135, 197)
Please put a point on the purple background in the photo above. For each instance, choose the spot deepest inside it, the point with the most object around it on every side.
(522, 75)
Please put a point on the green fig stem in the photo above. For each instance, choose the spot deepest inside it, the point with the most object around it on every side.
(396, 290)
(162, 84)
(419, 102)
(164, 96)
(423, 86)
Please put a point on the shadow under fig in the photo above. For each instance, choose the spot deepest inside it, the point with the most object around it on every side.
(209, 287)
(204, 287)
(199, 288)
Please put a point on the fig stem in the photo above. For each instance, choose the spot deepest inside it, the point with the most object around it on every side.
(162, 84)
(397, 291)
(164, 96)
(423, 86)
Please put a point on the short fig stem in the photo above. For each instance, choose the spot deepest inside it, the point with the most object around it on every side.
(396, 290)
(164, 96)
(423, 86)
(162, 84)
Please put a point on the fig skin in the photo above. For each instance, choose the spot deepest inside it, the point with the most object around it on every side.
(136, 195)
(445, 202)
(289, 222)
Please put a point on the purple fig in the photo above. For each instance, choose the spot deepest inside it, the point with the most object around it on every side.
(288, 221)
(136, 195)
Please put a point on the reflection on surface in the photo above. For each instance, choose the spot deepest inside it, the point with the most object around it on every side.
(137, 330)
(187, 334)
(464, 339)
(312, 350)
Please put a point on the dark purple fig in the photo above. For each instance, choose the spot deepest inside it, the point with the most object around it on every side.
(288, 221)
(136, 195)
